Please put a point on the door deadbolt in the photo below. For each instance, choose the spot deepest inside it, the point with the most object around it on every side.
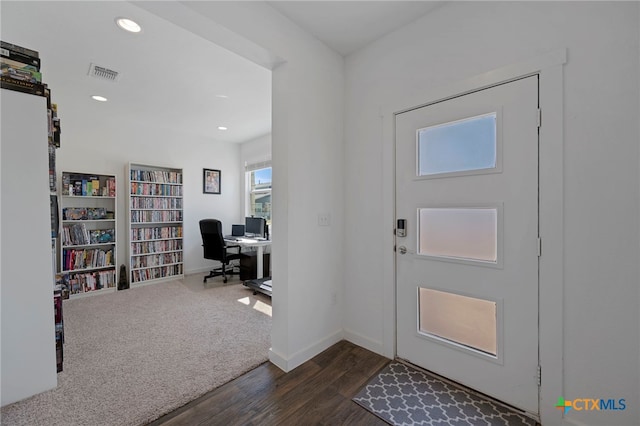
(401, 230)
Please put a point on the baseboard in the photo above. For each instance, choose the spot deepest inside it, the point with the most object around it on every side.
(203, 270)
(364, 342)
(278, 360)
(156, 281)
(304, 355)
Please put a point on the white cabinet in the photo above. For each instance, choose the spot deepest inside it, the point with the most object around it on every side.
(88, 237)
(155, 224)
(28, 334)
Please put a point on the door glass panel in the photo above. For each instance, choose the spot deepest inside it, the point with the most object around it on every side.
(459, 319)
(458, 146)
(461, 233)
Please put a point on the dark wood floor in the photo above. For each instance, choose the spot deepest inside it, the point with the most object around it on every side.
(318, 392)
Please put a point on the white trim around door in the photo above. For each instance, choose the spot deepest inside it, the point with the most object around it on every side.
(549, 67)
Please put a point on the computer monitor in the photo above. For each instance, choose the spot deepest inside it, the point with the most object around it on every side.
(237, 230)
(254, 226)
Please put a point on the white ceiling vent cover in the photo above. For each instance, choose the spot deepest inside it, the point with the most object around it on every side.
(103, 73)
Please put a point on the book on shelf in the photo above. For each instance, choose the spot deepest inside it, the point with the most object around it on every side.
(52, 180)
(159, 176)
(111, 187)
(52, 168)
(74, 213)
(102, 236)
(19, 70)
(19, 49)
(57, 309)
(49, 122)
(22, 86)
(95, 187)
(97, 213)
(47, 94)
(55, 222)
(62, 285)
(75, 286)
(57, 127)
(84, 213)
(59, 327)
(54, 129)
(81, 259)
(77, 234)
(91, 281)
(57, 131)
(66, 179)
(77, 188)
(19, 56)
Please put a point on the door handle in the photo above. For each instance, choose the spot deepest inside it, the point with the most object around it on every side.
(402, 250)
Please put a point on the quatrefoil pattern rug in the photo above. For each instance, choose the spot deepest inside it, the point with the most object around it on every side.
(402, 396)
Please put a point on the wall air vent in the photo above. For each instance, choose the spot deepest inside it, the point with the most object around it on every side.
(103, 73)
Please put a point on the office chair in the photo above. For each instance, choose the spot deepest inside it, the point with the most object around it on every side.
(215, 248)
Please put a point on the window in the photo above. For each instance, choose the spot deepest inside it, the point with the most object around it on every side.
(259, 191)
(463, 320)
(459, 233)
(458, 146)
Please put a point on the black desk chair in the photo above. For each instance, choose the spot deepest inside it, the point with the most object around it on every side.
(215, 248)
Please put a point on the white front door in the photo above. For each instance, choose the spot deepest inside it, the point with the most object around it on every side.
(467, 269)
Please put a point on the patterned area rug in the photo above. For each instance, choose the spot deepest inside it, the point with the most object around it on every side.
(401, 395)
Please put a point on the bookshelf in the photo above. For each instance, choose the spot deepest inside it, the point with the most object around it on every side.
(88, 236)
(28, 330)
(155, 224)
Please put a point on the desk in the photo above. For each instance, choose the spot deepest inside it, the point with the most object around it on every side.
(249, 242)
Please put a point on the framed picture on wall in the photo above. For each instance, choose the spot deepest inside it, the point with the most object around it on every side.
(211, 181)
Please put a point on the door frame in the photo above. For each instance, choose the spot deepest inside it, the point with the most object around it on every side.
(549, 68)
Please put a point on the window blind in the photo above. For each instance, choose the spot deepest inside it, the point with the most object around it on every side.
(257, 166)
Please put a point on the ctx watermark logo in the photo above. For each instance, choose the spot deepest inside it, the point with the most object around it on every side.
(589, 404)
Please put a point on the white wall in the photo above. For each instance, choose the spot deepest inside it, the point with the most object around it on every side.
(307, 145)
(256, 150)
(92, 144)
(601, 171)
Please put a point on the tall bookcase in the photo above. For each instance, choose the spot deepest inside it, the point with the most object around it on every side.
(88, 237)
(28, 361)
(155, 224)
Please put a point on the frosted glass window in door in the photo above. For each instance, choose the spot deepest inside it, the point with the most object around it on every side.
(458, 146)
(460, 233)
(459, 319)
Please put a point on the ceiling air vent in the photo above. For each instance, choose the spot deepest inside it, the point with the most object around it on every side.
(103, 73)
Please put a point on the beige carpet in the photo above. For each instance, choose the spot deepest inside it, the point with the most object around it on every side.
(135, 355)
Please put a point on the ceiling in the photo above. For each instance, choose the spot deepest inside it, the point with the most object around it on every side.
(170, 77)
(346, 26)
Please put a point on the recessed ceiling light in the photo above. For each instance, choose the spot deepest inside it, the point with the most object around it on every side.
(128, 25)
(222, 128)
(222, 96)
(99, 98)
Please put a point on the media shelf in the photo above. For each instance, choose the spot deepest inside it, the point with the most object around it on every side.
(88, 237)
(155, 218)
